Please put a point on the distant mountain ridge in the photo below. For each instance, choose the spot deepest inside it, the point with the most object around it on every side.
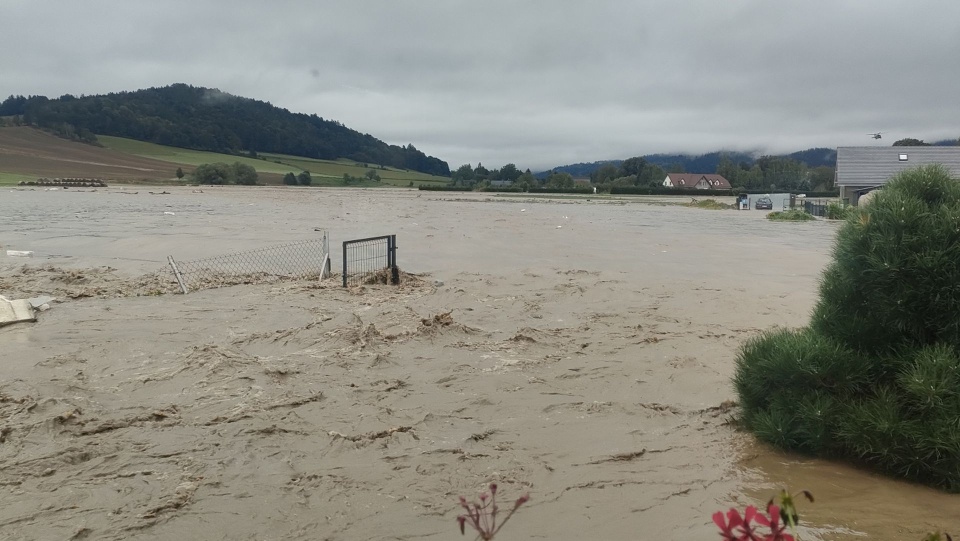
(707, 163)
(200, 118)
(703, 163)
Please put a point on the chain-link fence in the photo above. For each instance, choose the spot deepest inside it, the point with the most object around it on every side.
(296, 260)
(370, 260)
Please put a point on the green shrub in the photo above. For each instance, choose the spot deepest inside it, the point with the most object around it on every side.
(222, 173)
(838, 211)
(875, 378)
(792, 215)
(896, 268)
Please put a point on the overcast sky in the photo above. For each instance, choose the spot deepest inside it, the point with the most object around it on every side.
(536, 83)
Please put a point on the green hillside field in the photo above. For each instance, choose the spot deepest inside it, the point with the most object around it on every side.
(323, 172)
(11, 179)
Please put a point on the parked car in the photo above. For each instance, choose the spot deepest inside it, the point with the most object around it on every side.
(764, 203)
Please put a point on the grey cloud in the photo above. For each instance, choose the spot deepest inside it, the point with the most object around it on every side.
(537, 83)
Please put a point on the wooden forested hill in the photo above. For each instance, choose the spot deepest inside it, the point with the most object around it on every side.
(207, 119)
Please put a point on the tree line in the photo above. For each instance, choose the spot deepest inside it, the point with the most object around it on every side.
(807, 170)
(207, 119)
(776, 173)
(764, 173)
(468, 176)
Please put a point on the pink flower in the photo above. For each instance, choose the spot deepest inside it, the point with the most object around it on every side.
(727, 526)
(777, 530)
(733, 527)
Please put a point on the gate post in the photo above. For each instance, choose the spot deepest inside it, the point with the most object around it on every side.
(176, 273)
(394, 270)
(344, 263)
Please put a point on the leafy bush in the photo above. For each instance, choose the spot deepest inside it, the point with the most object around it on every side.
(792, 215)
(875, 378)
(222, 173)
(244, 174)
(837, 211)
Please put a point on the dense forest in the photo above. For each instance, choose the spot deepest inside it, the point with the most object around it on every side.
(207, 119)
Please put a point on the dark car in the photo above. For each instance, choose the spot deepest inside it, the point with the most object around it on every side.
(764, 203)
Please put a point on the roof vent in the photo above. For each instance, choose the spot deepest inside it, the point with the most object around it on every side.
(903, 157)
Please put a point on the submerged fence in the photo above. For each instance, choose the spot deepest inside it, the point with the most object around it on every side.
(300, 259)
(816, 207)
(370, 260)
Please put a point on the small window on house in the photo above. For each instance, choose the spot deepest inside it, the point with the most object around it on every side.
(903, 157)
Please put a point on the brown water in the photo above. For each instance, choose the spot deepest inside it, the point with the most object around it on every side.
(579, 350)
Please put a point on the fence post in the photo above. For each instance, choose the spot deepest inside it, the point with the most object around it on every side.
(344, 263)
(325, 265)
(394, 270)
(176, 273)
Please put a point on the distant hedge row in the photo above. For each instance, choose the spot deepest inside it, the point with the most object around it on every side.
(445, 188)
(510, 189)
(615, 190)
(808, 194)
(507, 189)
(585, 190)
(822, 194)
(502, 190)
(643, 190)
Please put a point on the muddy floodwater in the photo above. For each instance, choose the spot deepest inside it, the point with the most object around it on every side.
(577, 349)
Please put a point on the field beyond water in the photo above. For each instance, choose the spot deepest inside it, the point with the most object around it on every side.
(28, 153)
(577, 349)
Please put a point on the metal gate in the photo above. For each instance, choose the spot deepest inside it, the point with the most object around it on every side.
(371, 260)
(816, 208)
